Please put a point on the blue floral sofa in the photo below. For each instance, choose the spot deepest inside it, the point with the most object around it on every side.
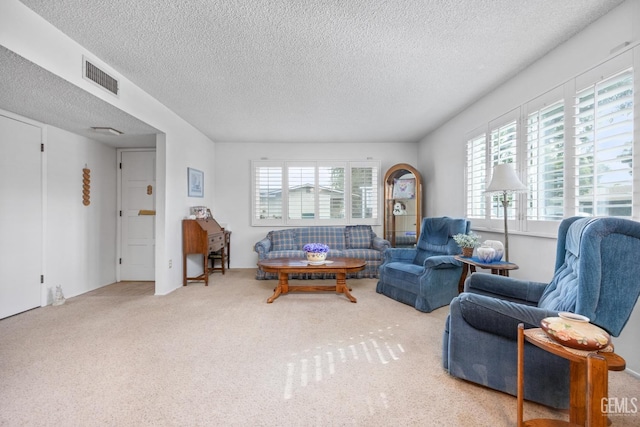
(352, 241)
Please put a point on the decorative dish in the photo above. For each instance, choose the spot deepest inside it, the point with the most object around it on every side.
(575, 331)
(319, 262)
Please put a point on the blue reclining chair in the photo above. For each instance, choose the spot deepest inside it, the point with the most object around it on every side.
(597, 274)
(425, 277)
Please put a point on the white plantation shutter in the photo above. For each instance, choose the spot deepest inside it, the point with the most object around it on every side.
(573, 145)
(331, 196)
(364, 192)
(604, 147)
(313, 193)
(476, 176)
(545, 163)
(301, 185)
(503, 150)
(267, 193)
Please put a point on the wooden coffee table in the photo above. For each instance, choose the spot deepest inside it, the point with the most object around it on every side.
(286, 266)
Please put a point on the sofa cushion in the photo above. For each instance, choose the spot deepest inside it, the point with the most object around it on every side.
(331, 236)
(365, 254)
(282, 240)
(358, 236)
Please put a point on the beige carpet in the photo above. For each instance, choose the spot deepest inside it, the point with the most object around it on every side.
(221, 356)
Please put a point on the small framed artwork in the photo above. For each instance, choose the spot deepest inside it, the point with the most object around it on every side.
(195, 183)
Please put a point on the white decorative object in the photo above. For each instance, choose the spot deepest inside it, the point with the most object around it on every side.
(486, 253)
(497, 246)
(316, 257)
(199, 211)
(316, 252)
(399, 209)
(58, 297)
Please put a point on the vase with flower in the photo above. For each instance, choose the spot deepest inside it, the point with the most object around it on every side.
(316, 252)
(467, 242)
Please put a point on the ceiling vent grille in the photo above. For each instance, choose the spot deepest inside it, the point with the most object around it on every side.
(99, 77)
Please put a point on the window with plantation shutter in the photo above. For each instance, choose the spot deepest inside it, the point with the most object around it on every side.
(364, 192)
(572, 146)
(545, 163)
(331, 192)
(503, 150)
(476, 176)
(301, 186)
(267, 192)
(603, 146)
(315, 193)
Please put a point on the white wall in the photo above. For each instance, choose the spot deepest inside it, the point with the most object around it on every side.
(443, 151)
(233, 181)
(80, 246)
(180, 146)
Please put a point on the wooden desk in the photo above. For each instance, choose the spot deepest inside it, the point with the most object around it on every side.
(223, 254)
(200, 236)
(285, 266)
(500, 268)
(588, 382)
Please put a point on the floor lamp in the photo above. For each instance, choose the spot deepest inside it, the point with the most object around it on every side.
(505, 180)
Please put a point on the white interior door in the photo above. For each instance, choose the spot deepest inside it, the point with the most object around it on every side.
(20, 216)
(138, 201)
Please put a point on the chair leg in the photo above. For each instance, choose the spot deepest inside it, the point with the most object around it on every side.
(222, 257)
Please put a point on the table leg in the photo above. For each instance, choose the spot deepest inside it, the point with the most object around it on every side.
(577, 395)
(282, 288)
(463, 277)
(598, 380)
(341, 286)
(205, 265)
(520, 377)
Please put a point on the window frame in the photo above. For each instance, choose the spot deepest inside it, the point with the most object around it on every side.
(284, 219)
(554, 96)
(565, 93)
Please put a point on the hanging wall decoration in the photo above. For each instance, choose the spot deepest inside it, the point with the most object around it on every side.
(86, 186)
(195, 183)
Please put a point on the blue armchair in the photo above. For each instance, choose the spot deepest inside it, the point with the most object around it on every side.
(597, 274)
(427, 276)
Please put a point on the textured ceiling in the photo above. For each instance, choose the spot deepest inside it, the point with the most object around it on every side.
(319, 70)
(66, 106)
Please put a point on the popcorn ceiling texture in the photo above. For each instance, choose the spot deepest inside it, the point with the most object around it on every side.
(319, 70)
(40, 95)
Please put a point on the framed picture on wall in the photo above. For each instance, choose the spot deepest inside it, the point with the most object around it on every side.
(195, 183)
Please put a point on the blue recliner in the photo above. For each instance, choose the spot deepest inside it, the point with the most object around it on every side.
(597, 274)
(425, 277)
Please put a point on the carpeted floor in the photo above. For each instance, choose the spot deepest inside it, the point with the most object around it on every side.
(221, 356)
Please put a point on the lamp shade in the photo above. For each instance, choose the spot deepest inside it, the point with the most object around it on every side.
(505, 179)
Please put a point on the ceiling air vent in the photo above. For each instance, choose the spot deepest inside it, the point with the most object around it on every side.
(99, 77)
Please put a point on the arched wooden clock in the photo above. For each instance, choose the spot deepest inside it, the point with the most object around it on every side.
(403, 205)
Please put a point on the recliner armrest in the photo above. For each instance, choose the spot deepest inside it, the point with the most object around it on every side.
(520, 291)
(498, 316)
(399, 254)
(441, 261)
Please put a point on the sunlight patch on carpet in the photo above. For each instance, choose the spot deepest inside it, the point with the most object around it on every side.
(318, 364)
